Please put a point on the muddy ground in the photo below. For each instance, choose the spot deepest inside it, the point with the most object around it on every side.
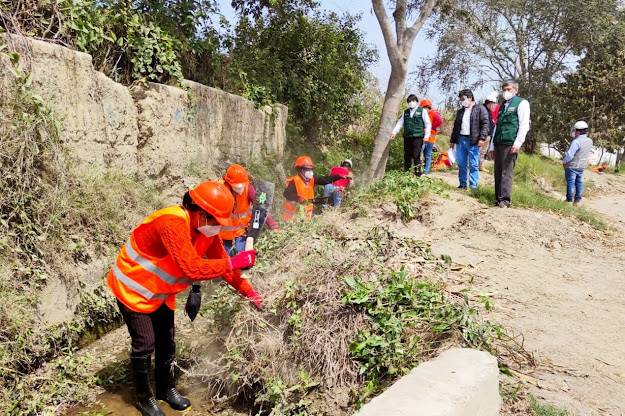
(555, 280)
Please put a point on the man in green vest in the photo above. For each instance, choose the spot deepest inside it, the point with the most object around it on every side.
(417, 127)
(513, 123)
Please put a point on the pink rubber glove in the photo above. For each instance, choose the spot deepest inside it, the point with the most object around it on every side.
(301, 200)
(243, 260)
(255, 298)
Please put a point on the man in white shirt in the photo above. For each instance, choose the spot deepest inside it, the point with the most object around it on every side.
(417, 127)
(512, 126)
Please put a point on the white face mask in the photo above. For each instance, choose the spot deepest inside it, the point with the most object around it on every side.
(465, 103)
(308, 174)
(209, 230)
(412, 104)
(239, 189)
(507, 95)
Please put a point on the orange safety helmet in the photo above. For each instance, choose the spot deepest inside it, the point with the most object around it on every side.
(304, 162)
(214, 198)
(425, 103)
(236, 175)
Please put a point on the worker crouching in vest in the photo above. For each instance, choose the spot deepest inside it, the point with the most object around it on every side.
(234, 233)
(172, 248)
(300, 189)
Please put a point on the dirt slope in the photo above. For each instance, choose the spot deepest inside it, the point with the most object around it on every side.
(557, 281)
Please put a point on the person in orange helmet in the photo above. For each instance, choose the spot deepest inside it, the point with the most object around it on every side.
(170, 249)
(428, 144)
(300, 189)
(234, 233)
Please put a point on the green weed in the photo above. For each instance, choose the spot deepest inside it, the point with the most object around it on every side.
(407, 317)
(545, 409)
(401, 188)
(527, 196)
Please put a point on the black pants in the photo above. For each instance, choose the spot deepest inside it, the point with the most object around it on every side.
(412, 152)
(504, 168)
(150, 331)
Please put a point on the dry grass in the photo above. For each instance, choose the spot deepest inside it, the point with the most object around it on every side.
(305, 335)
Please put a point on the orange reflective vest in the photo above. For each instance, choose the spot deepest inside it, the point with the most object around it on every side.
(304, 191)
(433, 132)
(143, 282)
(239, 219)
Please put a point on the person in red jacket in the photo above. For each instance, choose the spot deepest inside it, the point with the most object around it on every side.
(428, 144)
(234, 234)
(170, 249)
(336, 189)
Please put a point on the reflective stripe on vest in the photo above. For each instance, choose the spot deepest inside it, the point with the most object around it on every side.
(150, 267)
(143, 282)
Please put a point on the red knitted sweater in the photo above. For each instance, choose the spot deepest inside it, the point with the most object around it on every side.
(170, 235)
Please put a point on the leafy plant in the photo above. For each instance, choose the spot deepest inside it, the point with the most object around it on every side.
(402, 188)
(539, 409)
(407, 316)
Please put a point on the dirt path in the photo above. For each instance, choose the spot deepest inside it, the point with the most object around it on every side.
(557, 281)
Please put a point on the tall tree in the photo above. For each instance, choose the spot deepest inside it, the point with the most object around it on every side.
(532, 41)
(311, 60)
(398, 47)
(594, 92)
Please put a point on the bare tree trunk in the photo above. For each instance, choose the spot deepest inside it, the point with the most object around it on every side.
(388, 119)
(398, 47)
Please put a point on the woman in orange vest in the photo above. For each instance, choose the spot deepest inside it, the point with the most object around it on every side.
(300, 189)
(172, 248)
(428, 145)
(234, 233)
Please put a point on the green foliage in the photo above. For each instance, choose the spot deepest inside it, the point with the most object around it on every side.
(407, 316)
(284, 400)
(65, 380)
(315, 64)
(593, 92)
(545, 409)
(527, 192)
(401, 188)
(124, 42)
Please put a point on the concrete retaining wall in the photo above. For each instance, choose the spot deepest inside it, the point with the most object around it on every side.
(163, 134)
(459, 382)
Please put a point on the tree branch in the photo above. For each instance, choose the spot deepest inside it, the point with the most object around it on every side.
(412, 31)
(387, 30)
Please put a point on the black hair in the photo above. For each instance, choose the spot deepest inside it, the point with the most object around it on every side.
(412, 97)
(466, 93)
(582, 131)
(188, 203)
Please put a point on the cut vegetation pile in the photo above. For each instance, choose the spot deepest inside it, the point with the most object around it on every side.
(348, 309)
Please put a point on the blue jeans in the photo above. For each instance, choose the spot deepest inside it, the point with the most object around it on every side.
(239, 245)
(574, 184)
(335, 192)
(427, 154)
(467, 154)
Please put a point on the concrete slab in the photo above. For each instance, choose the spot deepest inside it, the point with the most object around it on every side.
(459, 382)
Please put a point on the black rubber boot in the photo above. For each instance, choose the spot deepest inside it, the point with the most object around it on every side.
(146, 403)
(165, 385)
